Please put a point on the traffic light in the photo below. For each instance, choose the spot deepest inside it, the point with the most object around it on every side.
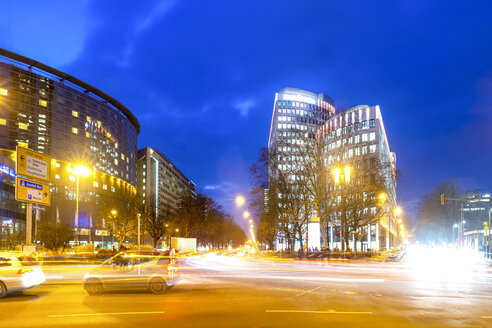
(442, 199)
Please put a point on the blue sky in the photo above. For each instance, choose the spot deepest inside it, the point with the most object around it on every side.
(201, 75)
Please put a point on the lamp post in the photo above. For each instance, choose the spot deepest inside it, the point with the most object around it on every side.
(78, 171)
(397, 212)
(342, 178)
(138, 231)
(113, 213)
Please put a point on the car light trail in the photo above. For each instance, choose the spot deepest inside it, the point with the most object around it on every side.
(100, 314)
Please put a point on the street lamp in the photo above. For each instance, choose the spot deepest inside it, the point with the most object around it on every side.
(78, 171)
(246, 214)
(341, 179)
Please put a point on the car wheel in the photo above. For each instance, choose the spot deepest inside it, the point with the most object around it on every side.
(157, 286)
(93, 287)
(3, 289)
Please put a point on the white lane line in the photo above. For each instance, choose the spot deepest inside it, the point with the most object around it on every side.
(307, 291)
(316, 312)
(100, 314)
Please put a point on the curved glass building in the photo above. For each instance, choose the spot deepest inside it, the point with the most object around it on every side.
(51, 112)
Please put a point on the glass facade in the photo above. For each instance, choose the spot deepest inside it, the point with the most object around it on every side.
(70, 125)
(53, 113)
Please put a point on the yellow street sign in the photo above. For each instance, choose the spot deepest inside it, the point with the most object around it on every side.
(32, 192)
(32, 164)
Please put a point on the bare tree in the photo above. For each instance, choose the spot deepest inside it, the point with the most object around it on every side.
(155, 223)
(120, 209)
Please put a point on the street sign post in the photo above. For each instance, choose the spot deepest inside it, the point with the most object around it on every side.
(32, 192)
(32, 164)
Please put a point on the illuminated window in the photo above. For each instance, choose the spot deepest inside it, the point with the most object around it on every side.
(23, 126)
(115, 161)
(87, 134)
(57, 164)
(75, 113)
(57, 176)
(96, 184)
(43, 103)
(3, 121)
(75, 130)
(88, 118)
(72, 178)
(372, 149)
(98, 123)
(3, 92)
(122, 156)
(22, 144)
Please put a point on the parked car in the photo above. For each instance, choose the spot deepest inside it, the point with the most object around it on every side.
(18, 272)
(127, 271)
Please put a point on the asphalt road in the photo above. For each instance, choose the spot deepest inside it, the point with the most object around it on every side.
(221, 291)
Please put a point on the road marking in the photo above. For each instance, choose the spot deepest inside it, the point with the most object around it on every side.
(100, 314)
(351, 293)
(316, 312)
(486, 317)
(307, 291)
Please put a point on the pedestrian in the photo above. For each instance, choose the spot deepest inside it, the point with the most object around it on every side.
(172, 254)
(300, 253)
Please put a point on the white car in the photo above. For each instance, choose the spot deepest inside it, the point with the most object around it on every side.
(18, 272)
(126, 271)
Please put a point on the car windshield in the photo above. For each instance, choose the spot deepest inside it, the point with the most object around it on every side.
(28, 260)
(5, 261)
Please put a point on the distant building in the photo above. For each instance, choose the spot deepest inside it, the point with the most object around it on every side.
(476, 220)
(159, 181)
(356, 132)
(359, 133)
(295, 113)
(476, 209)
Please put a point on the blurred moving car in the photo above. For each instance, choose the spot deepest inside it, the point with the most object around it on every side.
(18, 272)
(155, 273)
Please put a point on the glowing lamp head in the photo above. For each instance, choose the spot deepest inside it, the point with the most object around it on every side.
(336, 175)
(346, 172)
(114, 212)
(382, 197)
(246, 214)
(81, 170)
(240, 200)
(397, 210)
